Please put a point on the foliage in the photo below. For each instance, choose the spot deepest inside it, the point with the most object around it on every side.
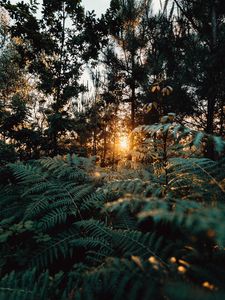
(99, 237)
(7, 153)
(140, 223)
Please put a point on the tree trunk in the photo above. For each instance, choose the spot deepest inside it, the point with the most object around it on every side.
(212, 96)
(133, 107)
(213, 92)
(104, 148)
(222, 119)
(94, 150)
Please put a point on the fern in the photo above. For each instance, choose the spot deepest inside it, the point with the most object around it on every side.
(189, 291)
(31, 285)
(139, 244)
(202, 175)
(95, 228)
(196, 138)
(189, 216)
(58, 247)
(91, 243)
(46, 191)
(53, 218)
(126, 235)
(24, 286)
(120, 279)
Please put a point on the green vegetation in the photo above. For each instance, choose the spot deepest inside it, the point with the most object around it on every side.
(114, 191)
(69, 231)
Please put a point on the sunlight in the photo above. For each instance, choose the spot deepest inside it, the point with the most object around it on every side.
(124, 143)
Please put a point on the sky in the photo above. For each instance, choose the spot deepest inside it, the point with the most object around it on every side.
(99, 6)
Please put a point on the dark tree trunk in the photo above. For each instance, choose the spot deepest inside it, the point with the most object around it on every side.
(133, 108)
(212, 95)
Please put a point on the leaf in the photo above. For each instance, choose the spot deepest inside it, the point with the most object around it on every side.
(4, 236)
(171, 116)
(176, 130)
(164, 119)
(155, 88)
(155, 104)
(198, 138)
(137, 261)
(149, 107)
(218, 143)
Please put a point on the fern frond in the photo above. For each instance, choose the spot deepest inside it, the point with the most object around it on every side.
(58, 246)
(184, 291)
(53, 218)
(63, 169)
(189, 217)
(121, 279)
(37, 206)
(139, 244)
(91, 243)
(28, 174)
(24, 286)
(94, 228)
(95, 200)
(201, 171)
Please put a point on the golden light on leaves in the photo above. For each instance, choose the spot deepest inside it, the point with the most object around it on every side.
(181, 269)
(148, 107)
(155, 88)
(155, 267)
(208, 285)
(166, 91)
(97, 174)
(137, 261)
(173, 260)
(132, 23)
(183, 262)
(153, 260)
(18, 41)
(155, 263)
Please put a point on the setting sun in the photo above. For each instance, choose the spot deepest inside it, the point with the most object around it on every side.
(124, 143)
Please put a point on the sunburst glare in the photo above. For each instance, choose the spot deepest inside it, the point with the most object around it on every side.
(124, 143)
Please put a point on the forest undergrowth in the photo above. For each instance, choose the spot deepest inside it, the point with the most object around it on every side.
(153, 229)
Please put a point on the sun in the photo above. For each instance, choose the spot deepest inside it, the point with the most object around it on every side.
(124, 143)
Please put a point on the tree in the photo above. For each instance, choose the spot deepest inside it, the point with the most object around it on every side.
(125, 20)
(148, 59)
(200, 31)
(54, 47)
(202, 24)
(15, 95)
